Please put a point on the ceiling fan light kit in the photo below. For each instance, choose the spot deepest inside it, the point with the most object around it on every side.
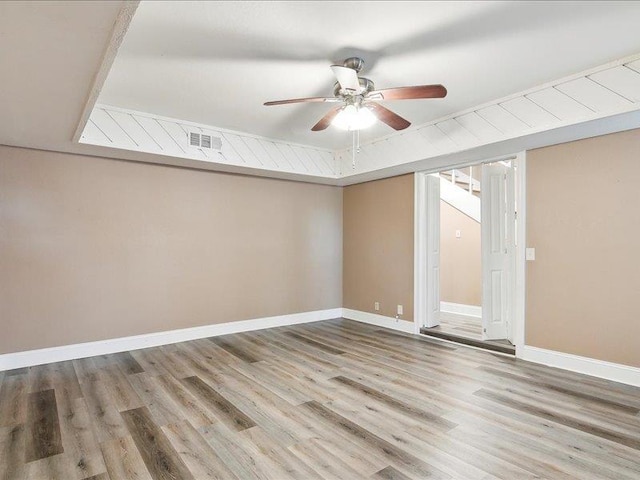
(352, 117)
(359, 98)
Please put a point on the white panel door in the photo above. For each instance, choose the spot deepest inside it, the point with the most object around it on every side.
(498, 249)
(433, 250)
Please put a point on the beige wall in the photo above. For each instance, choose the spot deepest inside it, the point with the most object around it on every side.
(583, 218)
(378, 246)
(460, 258)
(94, 248)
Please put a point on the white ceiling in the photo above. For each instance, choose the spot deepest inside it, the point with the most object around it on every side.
(217, 62)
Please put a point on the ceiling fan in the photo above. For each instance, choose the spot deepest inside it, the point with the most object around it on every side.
(359, 100)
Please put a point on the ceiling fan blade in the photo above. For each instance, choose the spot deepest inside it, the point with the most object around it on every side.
(347, 78)
(326, 120)
(385, 115)
(304, 100)
(407, 93)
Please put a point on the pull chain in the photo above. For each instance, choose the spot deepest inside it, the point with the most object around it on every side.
(355, 147)
(353, 150)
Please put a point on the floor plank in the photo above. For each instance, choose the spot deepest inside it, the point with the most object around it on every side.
(201, 460)
(161, 459)
(43, 428)
(13, 400)
(226, 411)
(123, 460)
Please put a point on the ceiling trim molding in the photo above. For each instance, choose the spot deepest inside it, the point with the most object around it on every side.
(597, 93)
(126, 129)
(120, 28)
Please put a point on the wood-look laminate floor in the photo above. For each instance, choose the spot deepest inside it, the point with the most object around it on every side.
(335, 400)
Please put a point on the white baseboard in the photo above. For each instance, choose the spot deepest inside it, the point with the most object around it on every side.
(378, 320)
(29, 358)
(588, 366)
(461, 309)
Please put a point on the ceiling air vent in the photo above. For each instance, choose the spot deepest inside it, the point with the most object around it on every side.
(202, 140)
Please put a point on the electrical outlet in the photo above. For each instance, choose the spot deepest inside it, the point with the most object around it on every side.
(376, 306)
(400, 310)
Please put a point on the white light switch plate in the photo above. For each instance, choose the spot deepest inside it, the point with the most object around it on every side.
(400, 310)
(376, 306)
(458, 233)
(530, 254)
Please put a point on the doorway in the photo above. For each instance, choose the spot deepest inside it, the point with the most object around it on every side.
(466, 250)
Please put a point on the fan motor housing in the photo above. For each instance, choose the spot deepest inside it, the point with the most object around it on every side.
(354, 63)
(365, 84)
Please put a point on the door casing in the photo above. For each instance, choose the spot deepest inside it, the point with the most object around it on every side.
(421, 229)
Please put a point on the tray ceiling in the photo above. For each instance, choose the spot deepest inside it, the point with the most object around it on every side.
(215, 63)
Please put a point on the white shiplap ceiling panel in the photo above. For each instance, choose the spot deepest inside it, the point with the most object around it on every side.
(160, 137)
(478, 126)
(559, 104)
(277, 156)
(399, 151)
(126, 129)
(292, 159)
(502, 119)
(457, 133)
(260, 154)
(437, 138)
(530, 113)
(229, 154)
(134, 130)
(622, 80)
(94, 135)
(415, 142)
(177, 135)
(594, 96)
(634, 65)
(107, 125)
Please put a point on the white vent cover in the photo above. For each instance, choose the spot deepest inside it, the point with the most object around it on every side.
(202, 140)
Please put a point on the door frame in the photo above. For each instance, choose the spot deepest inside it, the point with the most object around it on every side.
(424, 224)
(422, 227)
